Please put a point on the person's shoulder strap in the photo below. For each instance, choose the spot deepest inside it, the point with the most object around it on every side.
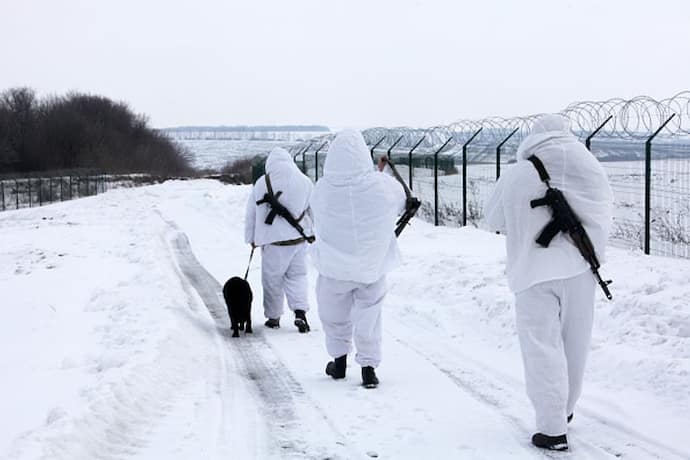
(543, 175)
(268, 185)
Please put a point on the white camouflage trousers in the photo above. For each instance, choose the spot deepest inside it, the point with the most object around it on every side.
(346, 307)
(554, 325)
(284, 274)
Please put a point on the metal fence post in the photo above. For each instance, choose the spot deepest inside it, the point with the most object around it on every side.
(464, 176)
(371, 151)
(409, 158)
(436, 188)
(648, 184)
(294, 158)
(588, 141)
(304, 159)
(390, 149)
(436, 179)
(2, 194)
(40, 191)
(498, 153)
(70, 186)
(30, 197)
(16, 193)
(316, 161)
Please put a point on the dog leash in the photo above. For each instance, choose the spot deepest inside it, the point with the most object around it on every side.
(250, 263)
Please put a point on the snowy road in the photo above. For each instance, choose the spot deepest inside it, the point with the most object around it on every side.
(132, 357)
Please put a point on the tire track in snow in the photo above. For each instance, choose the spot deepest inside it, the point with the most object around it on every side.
(282, 397)
(498, 390)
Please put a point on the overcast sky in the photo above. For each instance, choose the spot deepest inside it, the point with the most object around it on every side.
(345, 63)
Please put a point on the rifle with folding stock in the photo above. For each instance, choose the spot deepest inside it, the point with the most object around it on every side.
(564, 220)
(412, 204)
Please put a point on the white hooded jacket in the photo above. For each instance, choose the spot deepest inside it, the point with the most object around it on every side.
(296, 188)
(574, 171)
(355, 209)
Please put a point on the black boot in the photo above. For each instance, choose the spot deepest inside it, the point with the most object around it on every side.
(301, 321)
(336, 368)
(369, 379)
(273, 323)
(550, 442)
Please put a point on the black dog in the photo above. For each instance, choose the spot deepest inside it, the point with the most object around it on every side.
(238, 297)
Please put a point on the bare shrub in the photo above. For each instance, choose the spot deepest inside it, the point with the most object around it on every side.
(241, 168)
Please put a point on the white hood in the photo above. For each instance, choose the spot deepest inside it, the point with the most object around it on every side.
(285, 177)
(547, 128)
(348, 158)
(355, 209)
(574, 171)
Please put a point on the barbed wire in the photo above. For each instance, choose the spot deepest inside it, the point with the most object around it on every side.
(633, 119)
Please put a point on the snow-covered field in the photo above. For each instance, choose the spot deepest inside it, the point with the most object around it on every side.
(216, 153)
(114, 343)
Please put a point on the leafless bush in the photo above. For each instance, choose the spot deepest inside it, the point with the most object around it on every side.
(672, 227)
(241, 168)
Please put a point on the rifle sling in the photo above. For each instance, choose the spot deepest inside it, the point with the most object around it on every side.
(553, 227)
(543, 175)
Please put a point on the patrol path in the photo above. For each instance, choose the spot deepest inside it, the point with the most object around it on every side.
(285, 407)
(451, 378)
(402, 419)
(416, 412)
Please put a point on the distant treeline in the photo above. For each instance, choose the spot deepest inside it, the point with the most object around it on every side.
(81, 131)
(262, 128)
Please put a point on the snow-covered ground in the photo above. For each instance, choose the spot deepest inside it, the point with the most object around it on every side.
(114, 343)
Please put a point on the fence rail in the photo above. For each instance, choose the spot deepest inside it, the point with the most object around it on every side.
(643, 144)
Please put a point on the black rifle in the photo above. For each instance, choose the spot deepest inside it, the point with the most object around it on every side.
(564, 220)
(278, 209)
(412, 204)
